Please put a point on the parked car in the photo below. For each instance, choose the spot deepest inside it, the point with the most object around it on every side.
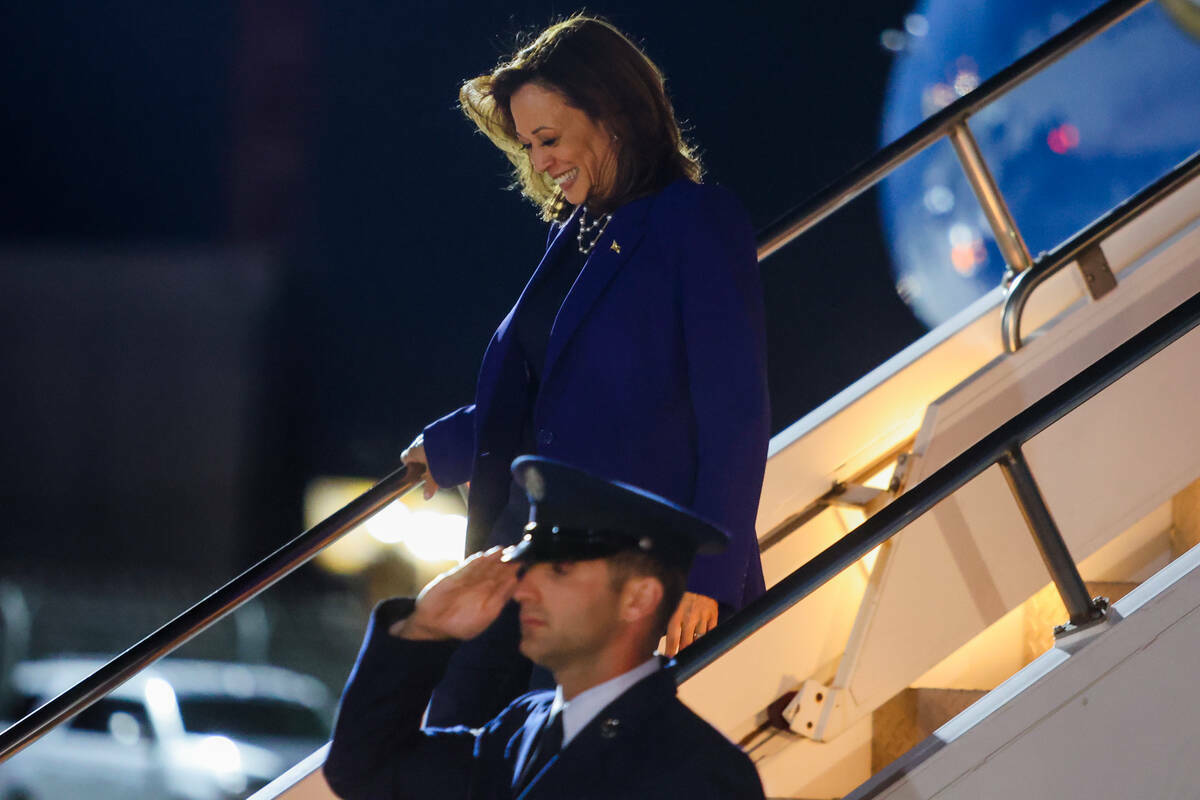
(180, 730)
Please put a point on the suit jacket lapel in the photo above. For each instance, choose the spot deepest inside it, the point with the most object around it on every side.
(585, 762)
(611, 252)
(499, 356)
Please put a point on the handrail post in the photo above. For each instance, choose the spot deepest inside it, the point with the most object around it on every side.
(870, 172)
(1004, 227)
(947, 479)
(1082, 609)
(1023, 286)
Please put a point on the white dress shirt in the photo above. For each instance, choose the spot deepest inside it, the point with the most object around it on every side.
(583, 707)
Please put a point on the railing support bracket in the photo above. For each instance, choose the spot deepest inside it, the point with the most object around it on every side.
(855, 495)
(1097, 274)
(817, 711)
(1071, 638)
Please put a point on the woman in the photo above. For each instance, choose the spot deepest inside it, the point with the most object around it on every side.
(636, 351)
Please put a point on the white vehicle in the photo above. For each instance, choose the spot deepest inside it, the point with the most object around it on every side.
(180, 730)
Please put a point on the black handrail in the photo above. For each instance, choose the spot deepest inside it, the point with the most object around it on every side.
(804, 216)
(916, 501)
(249, 584)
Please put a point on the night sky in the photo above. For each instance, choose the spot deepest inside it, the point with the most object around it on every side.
(325, 135)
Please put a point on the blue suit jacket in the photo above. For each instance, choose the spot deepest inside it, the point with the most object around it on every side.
(644, 744)
(655, 375)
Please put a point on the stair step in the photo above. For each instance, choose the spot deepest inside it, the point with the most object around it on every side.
(910, 717)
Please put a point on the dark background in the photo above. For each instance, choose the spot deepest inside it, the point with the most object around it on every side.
(243, 244)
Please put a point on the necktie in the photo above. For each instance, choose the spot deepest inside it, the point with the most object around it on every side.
(548, 744)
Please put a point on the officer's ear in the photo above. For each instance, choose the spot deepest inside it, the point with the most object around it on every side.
(640, 598)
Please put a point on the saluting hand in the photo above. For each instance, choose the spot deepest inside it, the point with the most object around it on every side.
(463, 602)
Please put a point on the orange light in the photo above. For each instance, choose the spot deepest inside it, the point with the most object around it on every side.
(963, 258)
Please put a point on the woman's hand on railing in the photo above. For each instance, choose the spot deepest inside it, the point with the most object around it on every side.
(415, 454)
(696, 616)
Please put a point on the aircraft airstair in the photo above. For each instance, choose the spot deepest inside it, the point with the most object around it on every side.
(934, 536)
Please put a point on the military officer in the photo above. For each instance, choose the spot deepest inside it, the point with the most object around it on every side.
(597, 576)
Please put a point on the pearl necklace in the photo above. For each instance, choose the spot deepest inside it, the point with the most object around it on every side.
(586, 228)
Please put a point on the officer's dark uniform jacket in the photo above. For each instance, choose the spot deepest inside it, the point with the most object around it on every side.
(644, 744)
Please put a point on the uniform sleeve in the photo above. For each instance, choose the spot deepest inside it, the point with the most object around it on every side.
(724, 329)
(379, 751)
(723, 781)
(450, 446)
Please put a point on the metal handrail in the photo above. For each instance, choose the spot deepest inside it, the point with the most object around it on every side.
(1047, 264)
(916, 501)
(800, 218)
(249, 584)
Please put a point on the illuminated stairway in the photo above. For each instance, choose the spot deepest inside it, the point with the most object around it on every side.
(1111, 717)
(967, 573)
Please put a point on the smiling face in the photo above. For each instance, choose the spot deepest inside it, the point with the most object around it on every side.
(565, 143)
(569, 612)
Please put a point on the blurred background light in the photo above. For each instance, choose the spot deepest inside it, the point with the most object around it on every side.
(893, 40)
(1133, 109)
(432, 532)
(160, 697)
(1063, 138)
(965, 82)
(916, 24)
(125, 728)
(220, 756)
(428, 535)
(939, 199)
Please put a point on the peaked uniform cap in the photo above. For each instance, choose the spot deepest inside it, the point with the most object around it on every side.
(575, 516)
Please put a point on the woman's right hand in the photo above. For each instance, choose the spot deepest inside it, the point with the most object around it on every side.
(415, 454)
